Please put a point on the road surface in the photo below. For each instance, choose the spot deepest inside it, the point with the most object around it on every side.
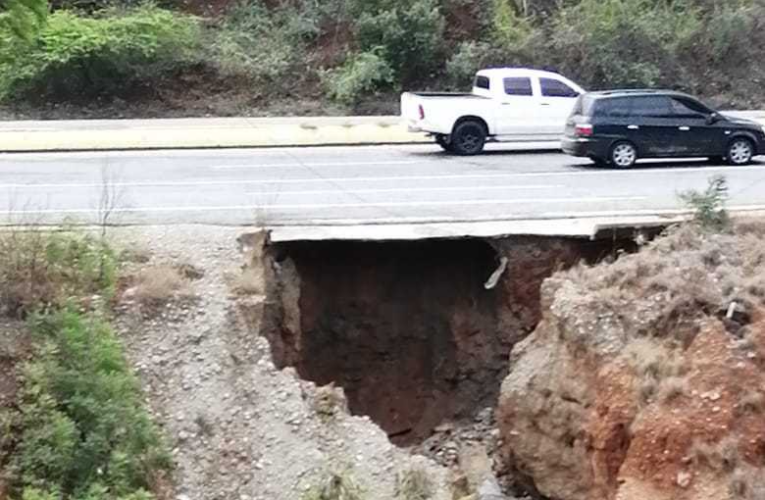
(365, 186)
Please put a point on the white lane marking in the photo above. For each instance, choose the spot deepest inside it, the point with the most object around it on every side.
(322, 164)
(405, 190)
(314, 180)
(315, 206)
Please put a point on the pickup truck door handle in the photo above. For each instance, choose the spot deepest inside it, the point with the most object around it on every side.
(633, 127)
(685, 129)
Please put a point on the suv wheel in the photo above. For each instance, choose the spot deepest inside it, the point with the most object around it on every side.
(623, 155)
(740, 152)
(468, 138)
(445, 143)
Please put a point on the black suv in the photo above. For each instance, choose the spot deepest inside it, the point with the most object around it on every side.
(619, 127)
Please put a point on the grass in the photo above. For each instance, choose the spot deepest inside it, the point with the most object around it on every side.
(723, 455)
(328, 403)
(337, 485)
(157, 285)
(687, 275)
(414, 484)
(41, 270)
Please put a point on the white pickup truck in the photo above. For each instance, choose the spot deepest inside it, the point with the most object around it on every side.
(506, 105)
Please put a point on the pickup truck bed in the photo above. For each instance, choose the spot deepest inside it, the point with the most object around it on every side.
(447, 95)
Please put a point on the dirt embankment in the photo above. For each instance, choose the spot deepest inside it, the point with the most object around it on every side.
(645, 378)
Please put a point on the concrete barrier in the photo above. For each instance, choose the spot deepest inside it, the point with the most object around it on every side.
(198, 133)
(89, 135)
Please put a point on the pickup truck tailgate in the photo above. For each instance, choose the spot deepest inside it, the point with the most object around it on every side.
(410, 107)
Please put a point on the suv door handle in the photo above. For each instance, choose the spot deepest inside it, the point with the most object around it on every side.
(685, 129)
(633, 127)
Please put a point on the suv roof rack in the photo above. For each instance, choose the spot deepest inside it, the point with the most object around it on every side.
(634, 91)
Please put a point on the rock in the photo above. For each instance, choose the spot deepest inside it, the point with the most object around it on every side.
(684, 479)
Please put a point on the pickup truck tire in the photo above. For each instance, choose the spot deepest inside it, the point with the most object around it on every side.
(468, 138)
(445, 142)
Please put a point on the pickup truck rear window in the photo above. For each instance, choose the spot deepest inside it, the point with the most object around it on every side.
(518, 86)
(482, 82)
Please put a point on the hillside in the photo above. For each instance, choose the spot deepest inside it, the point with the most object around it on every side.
(196, 58)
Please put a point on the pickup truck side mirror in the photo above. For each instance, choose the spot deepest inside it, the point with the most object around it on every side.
(713, 118)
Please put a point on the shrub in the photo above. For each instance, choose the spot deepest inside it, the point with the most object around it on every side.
(40, 270)
(408, 37)
(157, 285)
(709, 205)
(414, 484)
(607, 43)
(81, 56)
(84, 432)
(21, 18)
(362, 74)
(336, 486)
(466, 60)
(261, 44)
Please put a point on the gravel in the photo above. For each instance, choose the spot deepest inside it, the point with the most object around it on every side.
(238, 427)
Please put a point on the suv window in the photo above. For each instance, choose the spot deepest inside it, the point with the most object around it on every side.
(518, 86)
(617, 107)
(556, 88)
(687, 107)
(652, 106)
(482, 82)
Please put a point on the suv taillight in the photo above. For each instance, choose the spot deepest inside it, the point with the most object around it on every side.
(583, 130)
(422, 112)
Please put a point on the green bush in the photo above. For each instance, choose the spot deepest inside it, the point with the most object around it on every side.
(614, 43)
(709, 205)
(77, 56)
(41, 270)
(21, 18)
(466, 60)
(85, 435)
(361, 75)
(408, 36)
(262, 44)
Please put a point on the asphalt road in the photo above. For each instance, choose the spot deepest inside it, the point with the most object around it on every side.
(351, 185)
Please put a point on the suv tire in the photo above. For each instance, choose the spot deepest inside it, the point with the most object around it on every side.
(740, 151)
(468, 138)
(623, 154)
(445, 142)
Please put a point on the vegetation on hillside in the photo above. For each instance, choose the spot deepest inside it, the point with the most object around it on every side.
(78, 429)
(349, 50)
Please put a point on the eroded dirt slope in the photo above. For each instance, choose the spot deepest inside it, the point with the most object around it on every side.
(646, 377)
(239, 427)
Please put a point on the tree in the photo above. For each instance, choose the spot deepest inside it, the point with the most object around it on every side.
(22, 18)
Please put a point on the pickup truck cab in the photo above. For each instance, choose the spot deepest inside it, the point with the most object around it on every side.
(506, 105)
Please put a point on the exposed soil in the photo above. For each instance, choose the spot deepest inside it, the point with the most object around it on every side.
(408, 329)
(645, 377)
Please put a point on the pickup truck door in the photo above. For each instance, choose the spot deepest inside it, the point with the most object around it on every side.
(517, 117)
(555, 105)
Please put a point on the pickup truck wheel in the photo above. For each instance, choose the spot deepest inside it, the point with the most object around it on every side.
(468, 138)
(445, 143)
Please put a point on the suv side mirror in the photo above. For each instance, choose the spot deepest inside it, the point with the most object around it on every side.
(713, 118)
